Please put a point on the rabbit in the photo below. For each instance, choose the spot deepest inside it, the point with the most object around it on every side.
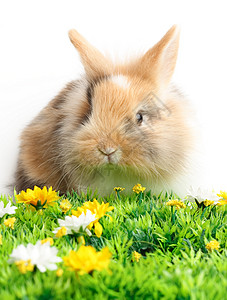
(118, 125)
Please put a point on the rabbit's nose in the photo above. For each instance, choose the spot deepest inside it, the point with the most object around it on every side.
(111, 154)
(107, 151)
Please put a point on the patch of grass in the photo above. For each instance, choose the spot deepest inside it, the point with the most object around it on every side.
(175, 263)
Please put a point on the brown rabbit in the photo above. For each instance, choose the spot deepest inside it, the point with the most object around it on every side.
(116, 126)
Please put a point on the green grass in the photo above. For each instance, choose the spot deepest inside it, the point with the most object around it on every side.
(174, 265)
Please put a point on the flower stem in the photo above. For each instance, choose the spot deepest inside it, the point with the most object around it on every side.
(39, 205)
(173, 213)
(140, 198)
(68, 241)
(118, 195)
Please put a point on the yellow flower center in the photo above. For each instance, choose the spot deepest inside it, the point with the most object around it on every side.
(10, 222)
(86, 259)
(50, 240)
(177, 203)
(213, 245)
(119, 189)
(62, 231)
(24, 266)
(59, 272)
(136, 256)
(208, 202)
(65, 205)
(138, 188)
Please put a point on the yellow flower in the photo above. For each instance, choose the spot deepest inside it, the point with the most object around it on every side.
(98, 209)
(222, 202)
(65, 205)
(59, 272)
(177, 203)
(50, 240)
(138, 188)
(136, 256)
(10, 222)
(0, 239)
(86, 259)
(118, 189)
(62, 231)
(222, 194)
(212, 245)
(208, 202)
(24, 266)
(37, 197)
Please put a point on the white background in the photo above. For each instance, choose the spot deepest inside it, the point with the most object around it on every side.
(37, 59)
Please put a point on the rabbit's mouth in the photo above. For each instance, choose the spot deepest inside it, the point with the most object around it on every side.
(104, 178)
(116, 173)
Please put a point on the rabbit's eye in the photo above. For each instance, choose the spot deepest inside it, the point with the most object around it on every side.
(139, 118)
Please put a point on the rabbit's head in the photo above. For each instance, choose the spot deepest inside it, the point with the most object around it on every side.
(131, 122)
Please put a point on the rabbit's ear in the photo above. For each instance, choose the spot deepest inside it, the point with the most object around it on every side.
(159, 62)
(94, 62)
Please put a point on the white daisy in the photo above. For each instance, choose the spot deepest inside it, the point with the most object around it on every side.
(74, 224)
(6, 210)
(41, 255)
(202, 195)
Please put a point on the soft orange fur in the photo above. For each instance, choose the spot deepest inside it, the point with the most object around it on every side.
(66, 144)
